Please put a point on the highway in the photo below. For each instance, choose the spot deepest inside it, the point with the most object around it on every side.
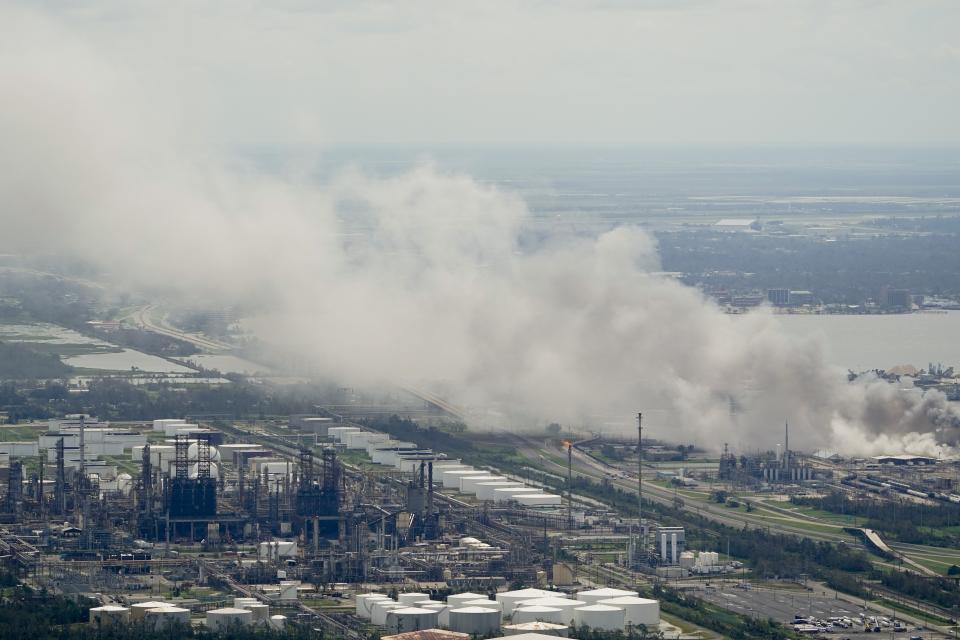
(143, 317)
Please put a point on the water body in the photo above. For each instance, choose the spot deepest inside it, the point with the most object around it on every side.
(125, 360)
(228, 364)
(862, 342)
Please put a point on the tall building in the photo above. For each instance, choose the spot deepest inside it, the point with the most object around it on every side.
(778, 297)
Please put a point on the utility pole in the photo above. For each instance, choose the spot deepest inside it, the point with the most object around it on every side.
(569, 485)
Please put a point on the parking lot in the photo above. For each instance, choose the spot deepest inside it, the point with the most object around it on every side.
(784, 605)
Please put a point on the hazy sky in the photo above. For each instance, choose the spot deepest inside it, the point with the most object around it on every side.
(663, 71)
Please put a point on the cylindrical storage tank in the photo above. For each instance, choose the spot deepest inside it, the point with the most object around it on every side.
(139, 610)
(477, 621)
(468, 484)
(425, 603)
(364, 603)
(505, 494)
(534, 613)
(109, 615)
(565, 605)
(411, 619)
(166, 617)
(451, 478)
(509, 599)
(261, 612)
(593, 596)
(278, 622)
(637, 610)
(380, 608)
(600, 617)
(485, 489)
(539, 499)
(458, 598)
(222, 619)
(288, 590)
(486, 603)
(539, 628)
(410, 599)
(242, 603)
(443, 612)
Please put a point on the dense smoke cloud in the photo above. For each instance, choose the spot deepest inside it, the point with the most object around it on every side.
(419, 279)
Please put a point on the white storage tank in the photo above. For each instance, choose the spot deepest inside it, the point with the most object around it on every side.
(601, 617)
(364, 603)
(242, 603)
(593, 596)
(139, 610)
(222, 619)
(556, 602)
(378, 615)
(509, 599)
(506, 494)
(166, 617)
(486, 603)
(261, 612)
(411, 619)
(468, 484)
(109, 615)
(477, 621)
(458, 598)
(411, 598)
(485, 489)
(539, 499)
(278, 622)
(288, 590)
(535, 613)
(637, 610)
(443, 612)
(537, 628)
(451, 477)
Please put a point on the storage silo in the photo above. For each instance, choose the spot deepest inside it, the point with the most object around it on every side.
(535, 613)
(602, 617)
(166, 617)
(538, 628)
(509, 599)
(139, 610)
(222, 619)
(109, 615)
(458, 598)
(637, 610)
(412, 598)
(411, 619)
(593, 596)
(380, 608)
(477, 621)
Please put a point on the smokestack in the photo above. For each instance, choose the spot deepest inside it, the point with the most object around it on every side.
(569, 485)
(430, 488)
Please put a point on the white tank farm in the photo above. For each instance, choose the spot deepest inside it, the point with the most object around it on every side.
(599, 616)
(457, 598)
(593, 596)
(477, 621)
(537, 628)
(539, 499)
(451, 477)
(411, 598)
(509, 599)
(278, 622)
(557, 602)
(109, 615)
(166, 617)
(364, 603)
(139, 610)
(378, 615)
(468, 484)
(535, 613)
(411, 619)
(637, 610)
(222, 619)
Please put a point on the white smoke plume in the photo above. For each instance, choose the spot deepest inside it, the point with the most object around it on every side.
(418, 279)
